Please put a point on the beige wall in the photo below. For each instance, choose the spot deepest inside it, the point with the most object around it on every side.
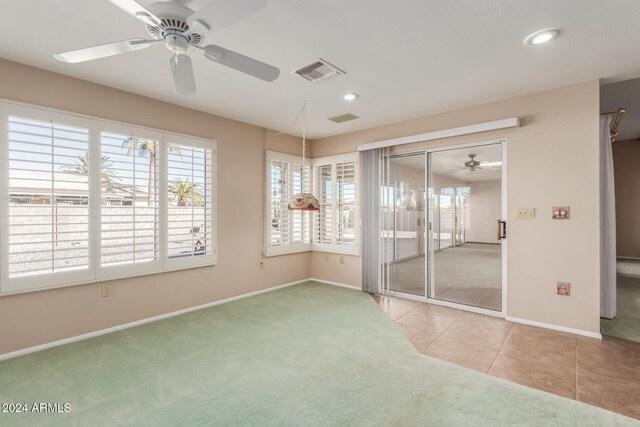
(441, 181)
(39, 317)
(556, 127)
(485, 208)
(627, 178)
(399, 172)
(552, 159)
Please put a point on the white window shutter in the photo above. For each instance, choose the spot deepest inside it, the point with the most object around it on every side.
(323, 190)
(190, 209)
(46, 199)
(286, 231)
(83, 200)
(129, 200)
(346, 204)
(300, 219)
(278, 225)
(337, 224)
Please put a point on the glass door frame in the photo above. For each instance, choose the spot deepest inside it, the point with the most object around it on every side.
(429, 251)
(389, 190)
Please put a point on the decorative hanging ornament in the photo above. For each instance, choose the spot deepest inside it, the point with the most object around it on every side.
(303, 201)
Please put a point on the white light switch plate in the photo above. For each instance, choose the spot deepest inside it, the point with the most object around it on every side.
(526, 213)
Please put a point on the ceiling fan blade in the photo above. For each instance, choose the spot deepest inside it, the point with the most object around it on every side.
(218, 14)
(491, 164)
(102, 51)
(135, 9)
(241, 63)
(182, 71)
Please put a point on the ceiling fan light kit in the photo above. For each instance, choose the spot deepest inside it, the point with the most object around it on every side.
(179, 27)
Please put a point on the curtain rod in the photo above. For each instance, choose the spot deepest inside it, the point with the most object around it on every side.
(614, 130)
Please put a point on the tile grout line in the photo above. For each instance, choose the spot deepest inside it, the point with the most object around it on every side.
(440, 334)
(395, 321)
(575, 397)
(500, 349)
(410, 311)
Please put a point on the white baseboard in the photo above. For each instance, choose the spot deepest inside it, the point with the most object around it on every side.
(342, 285)
(76, 338)
(628, 267)
(555, 327)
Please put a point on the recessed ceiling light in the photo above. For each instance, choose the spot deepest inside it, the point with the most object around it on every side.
(542, 36)
(351, 96)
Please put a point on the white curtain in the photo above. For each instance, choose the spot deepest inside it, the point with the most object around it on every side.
(370, 184)
(607, 223)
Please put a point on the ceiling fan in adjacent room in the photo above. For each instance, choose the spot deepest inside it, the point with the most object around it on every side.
(472, 164)
(171, 22)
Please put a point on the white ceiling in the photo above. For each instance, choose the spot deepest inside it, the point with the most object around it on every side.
(450, 163)
(406, 58)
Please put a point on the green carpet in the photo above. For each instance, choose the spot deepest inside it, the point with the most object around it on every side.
(627, 322)
(306, 355)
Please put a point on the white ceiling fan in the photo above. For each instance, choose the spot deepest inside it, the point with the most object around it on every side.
(171, 22)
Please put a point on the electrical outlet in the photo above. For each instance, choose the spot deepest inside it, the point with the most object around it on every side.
(564, 289)
(341, 260)
(261, 264)
(106, 290)
(526, 213)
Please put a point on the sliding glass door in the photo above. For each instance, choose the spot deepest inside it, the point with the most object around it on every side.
(439, 216)
(403, 224)
(464, 250)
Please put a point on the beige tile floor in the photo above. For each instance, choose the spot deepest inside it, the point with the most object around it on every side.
(604, 373)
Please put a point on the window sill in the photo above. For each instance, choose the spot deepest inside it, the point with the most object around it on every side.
(103, 279)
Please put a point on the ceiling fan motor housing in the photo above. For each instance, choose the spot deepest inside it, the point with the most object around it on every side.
(473, 163)
(173, 26)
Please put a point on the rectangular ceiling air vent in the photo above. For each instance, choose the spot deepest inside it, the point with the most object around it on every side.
(344, 118)
(318, 70)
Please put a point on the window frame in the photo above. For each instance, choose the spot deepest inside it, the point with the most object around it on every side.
(334, 246)
(313, 164)
(193, 261)
(117, 271)
(290, 248)
(17, 284)
(95, 273)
